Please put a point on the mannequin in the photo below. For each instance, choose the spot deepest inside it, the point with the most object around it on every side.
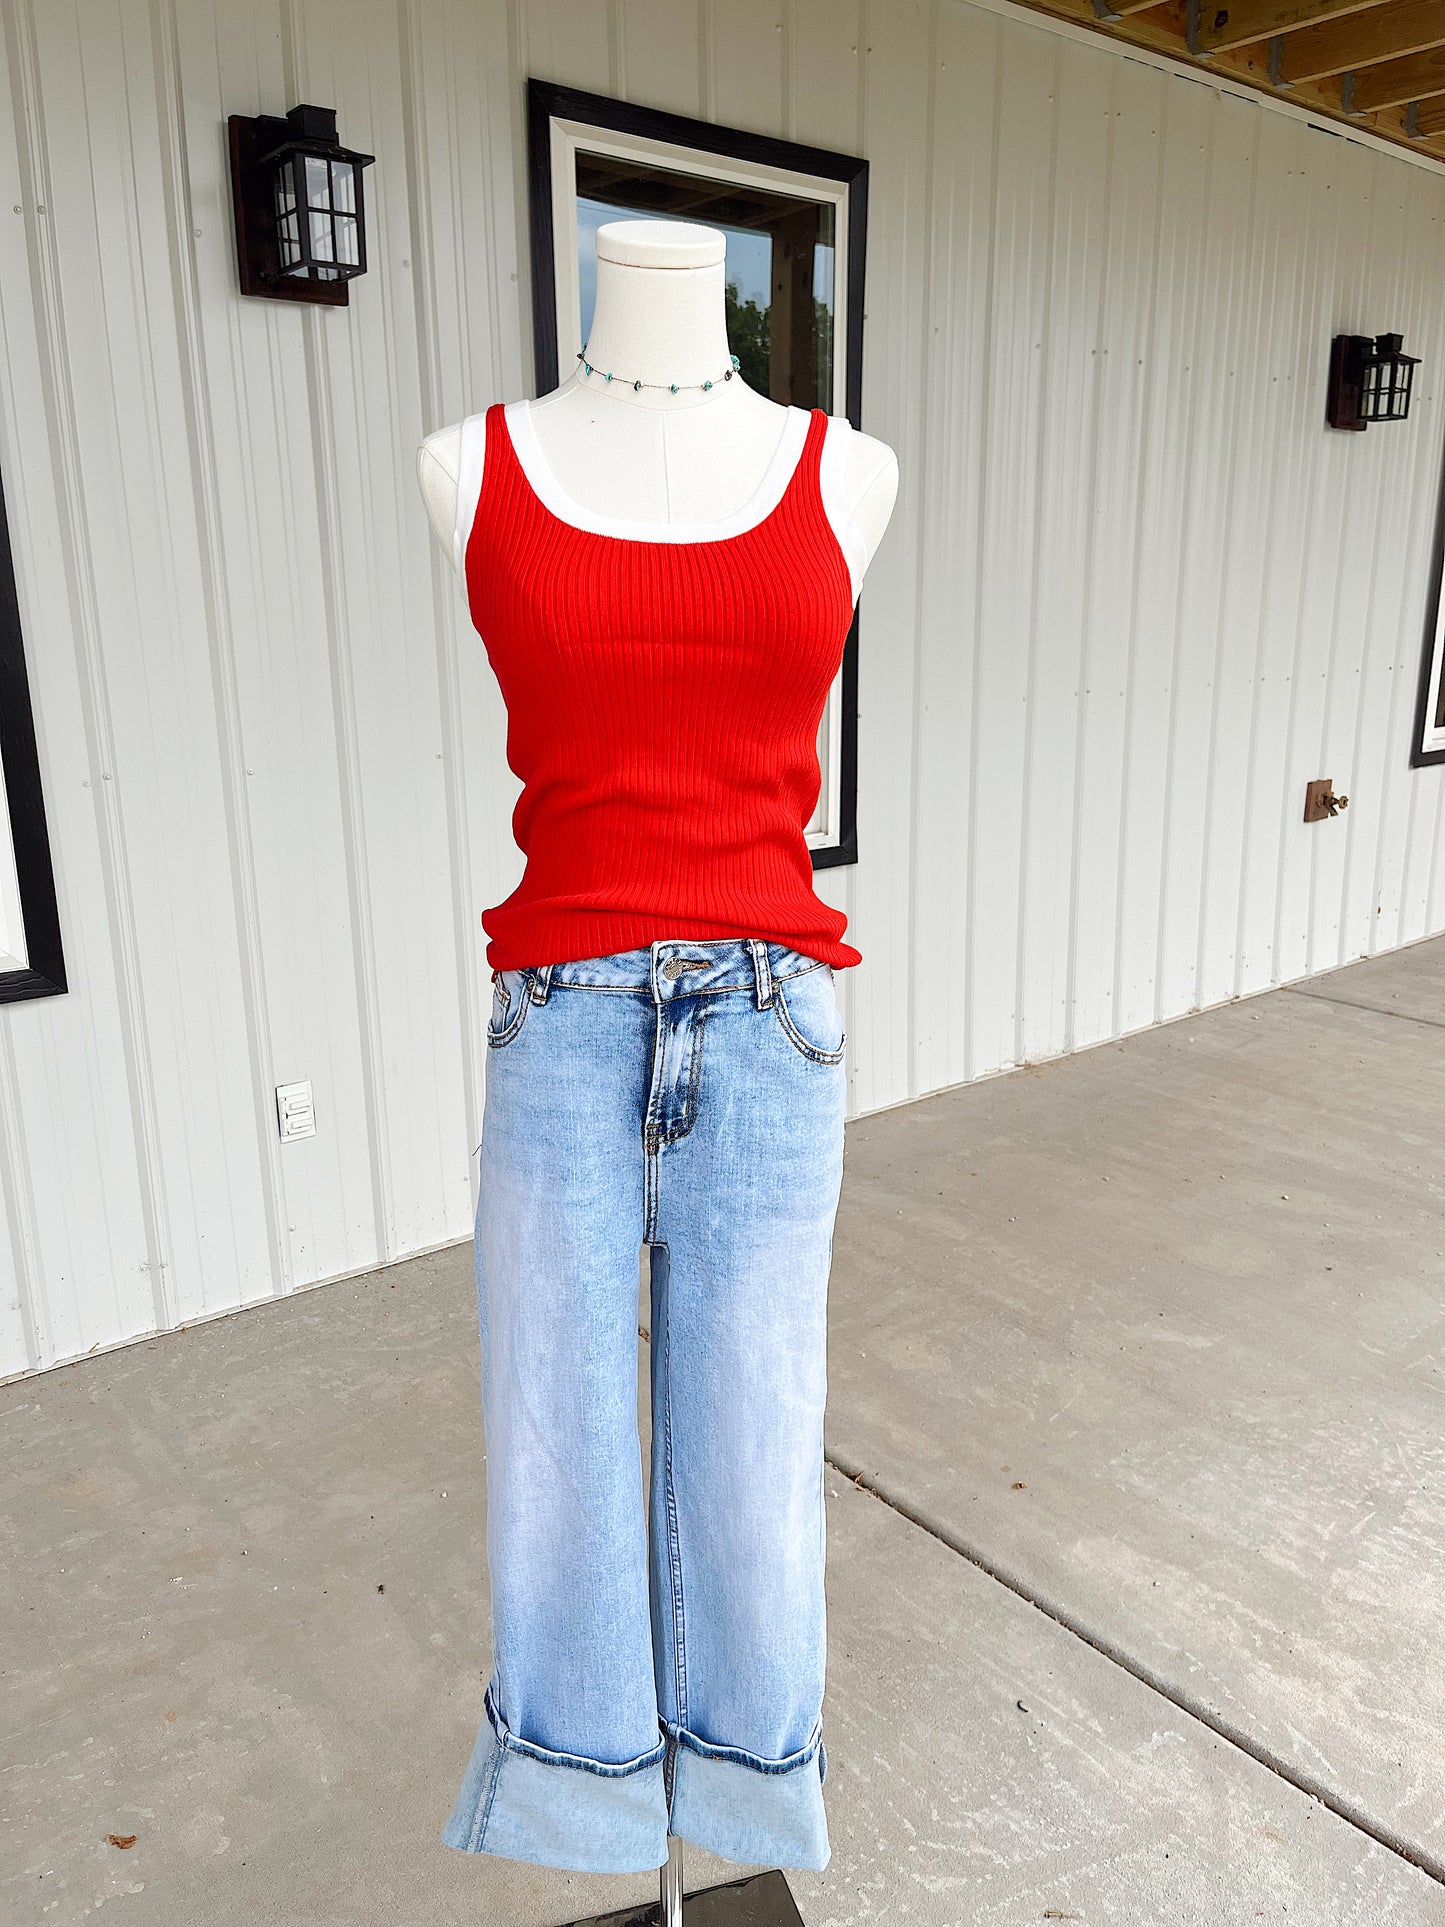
(650, 456)
(657, 465)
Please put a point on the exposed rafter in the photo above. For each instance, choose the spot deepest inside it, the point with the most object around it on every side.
(1362, 40)
(1241, 22)
(1373, 63)
(1399, 81)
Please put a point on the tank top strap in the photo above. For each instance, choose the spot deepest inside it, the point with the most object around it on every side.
(503, 479)
(813, 483)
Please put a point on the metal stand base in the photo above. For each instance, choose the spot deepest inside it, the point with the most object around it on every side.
(758, 1900)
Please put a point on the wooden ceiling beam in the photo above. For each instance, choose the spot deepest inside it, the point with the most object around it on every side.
(1362, 40)
(1430, 119)
(1165, 29)
(1398, 81)
(1234, 23)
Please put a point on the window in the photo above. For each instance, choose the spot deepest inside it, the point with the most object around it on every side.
(794, 219)
(31, 964)
(1429, 744)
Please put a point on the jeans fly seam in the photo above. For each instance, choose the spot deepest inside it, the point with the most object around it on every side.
(649, 1128)
(694, 1078)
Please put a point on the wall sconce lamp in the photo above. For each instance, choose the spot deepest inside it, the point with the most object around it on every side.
(1370, 381)
(300, 219)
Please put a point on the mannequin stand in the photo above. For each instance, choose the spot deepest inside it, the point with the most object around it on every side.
(759, 1900)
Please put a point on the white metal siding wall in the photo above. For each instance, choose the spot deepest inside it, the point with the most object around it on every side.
(1133, 597)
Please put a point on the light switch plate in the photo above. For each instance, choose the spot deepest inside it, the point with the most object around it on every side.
(295, 1111)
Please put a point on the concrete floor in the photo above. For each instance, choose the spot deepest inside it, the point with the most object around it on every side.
(1136, 1533)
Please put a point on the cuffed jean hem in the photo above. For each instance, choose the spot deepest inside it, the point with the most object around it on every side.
(526, 1802)
(764, 1813)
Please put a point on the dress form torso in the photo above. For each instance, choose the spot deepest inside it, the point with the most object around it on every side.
(616, 456)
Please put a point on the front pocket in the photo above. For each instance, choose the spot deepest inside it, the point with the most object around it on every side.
(511, 995)
(807, 1010)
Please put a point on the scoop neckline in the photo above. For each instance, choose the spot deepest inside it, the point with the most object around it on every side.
(783, 465)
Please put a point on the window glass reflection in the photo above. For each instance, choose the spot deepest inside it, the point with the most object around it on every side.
(780, 266)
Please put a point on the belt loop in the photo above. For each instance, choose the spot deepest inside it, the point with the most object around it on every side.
(762, 970)
(541, 982)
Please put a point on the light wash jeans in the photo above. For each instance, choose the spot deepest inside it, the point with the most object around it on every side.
(688, 1096)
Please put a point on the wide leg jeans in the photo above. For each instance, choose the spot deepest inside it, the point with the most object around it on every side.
(657, 1657)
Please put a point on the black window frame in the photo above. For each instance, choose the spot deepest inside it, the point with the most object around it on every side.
(1422, 757)
(548, 101)
(44, 972)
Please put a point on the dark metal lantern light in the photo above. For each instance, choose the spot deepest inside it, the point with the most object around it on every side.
(300, 215)
(1370, 381)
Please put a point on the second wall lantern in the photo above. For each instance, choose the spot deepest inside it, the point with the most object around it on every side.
(299, 208)
(1370, 381)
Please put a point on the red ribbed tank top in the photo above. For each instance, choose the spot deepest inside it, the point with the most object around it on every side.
(663, 704)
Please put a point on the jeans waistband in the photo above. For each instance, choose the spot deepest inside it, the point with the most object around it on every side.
(679, 967)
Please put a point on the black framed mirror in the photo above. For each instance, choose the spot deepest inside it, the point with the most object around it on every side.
(32, 962)
(1428, 743)
(795, 220)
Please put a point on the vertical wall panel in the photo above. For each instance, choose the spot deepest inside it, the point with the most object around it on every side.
(1290, 406)
(746, 63)
(1010, 421)
(822, 39)
(570, 41)
(1174, 407)
(1130, 399)
(1070, 359)
(1133, 596)
(895, 73)
(949, 483)
(1243, 536)
(660, 57)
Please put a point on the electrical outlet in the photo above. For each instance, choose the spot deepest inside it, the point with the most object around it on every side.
(295, 1111)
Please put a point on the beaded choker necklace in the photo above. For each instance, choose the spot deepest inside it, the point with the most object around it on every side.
(672, 387)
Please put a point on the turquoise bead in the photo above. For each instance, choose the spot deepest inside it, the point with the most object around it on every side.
(674, 388)
(707, 384)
